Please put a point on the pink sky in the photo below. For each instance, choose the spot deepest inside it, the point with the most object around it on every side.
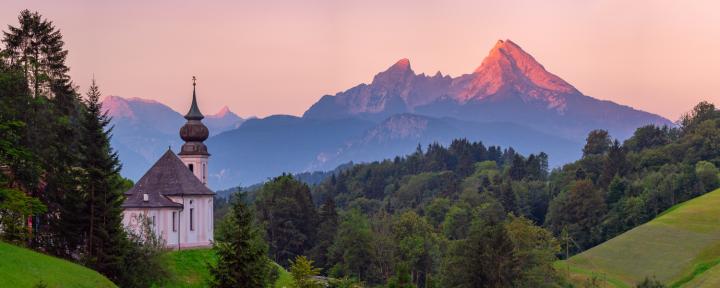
(278, 57)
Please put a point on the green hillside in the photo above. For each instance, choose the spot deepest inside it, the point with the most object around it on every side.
(188, 268)
(681, 248)
(20, 267)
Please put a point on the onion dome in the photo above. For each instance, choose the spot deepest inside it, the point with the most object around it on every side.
(194, 132)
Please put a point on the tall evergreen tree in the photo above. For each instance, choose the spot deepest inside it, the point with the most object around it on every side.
(327, 229)
(35, 47)
(101, 184)
(286, 208)
(242, 260)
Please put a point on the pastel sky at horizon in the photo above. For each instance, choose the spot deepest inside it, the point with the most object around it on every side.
(279, 57)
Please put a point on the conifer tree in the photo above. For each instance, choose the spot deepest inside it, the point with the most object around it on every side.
(35, 48)
(326, 233)
(242, 260)
(101, 184)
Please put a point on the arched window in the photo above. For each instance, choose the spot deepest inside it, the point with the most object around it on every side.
(191, 167)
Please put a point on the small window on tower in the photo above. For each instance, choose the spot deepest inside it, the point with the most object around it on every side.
(191, 167)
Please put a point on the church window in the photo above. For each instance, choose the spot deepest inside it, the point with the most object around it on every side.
(173, 220)
(153, 221)
(191, 220)
(203, 171)
(191, 167)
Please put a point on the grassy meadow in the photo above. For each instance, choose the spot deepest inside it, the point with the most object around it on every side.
(188, 268)
(20, 267)
(681, 248)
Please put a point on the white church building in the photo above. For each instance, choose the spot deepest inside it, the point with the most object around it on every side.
(173, 194)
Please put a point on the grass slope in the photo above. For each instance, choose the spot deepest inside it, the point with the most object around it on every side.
(20, 267)
(680, 248)
(188, 268)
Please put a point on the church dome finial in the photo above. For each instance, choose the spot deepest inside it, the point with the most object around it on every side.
(194, 113)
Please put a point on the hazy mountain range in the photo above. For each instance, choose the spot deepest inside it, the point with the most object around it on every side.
(509, 100)
(144, 129)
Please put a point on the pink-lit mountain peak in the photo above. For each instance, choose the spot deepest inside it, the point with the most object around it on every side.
(509, 67)
(398, 72)
(224, 111)
(117, 107)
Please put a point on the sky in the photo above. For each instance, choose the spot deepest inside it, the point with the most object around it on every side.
(279, 57)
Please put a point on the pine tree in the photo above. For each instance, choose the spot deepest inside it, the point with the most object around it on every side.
(326, 233)
(286, 208)
(303, 273)
(101, 184)
(53, 117)
(242, 260)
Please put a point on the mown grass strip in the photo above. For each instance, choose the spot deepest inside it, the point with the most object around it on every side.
(697, 271)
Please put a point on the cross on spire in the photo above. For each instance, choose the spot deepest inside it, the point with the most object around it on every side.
(194, 80)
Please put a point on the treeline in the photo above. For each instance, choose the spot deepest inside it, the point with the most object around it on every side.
(60, 190)
(415, 221)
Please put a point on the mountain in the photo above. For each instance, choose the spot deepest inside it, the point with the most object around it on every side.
(143, 129)
(509, 86)
(263, 148)
(510, 100)
(401, 133)
(679, 248)
(222, 121)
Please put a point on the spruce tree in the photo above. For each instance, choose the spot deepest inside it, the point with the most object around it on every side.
(35, 47)
(242, 259)
(101, 184)
(326, 233)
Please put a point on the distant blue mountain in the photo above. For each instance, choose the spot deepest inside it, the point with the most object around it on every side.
(144, 129)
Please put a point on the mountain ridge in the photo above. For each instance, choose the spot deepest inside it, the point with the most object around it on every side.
(510, 85)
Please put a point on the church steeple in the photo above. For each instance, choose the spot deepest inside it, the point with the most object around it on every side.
(194, 113)
(194, 153)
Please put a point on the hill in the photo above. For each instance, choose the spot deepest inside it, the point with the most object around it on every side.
(188, 268)
(20, 267)
(680, 248)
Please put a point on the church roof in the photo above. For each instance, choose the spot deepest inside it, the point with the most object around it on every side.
(168, 177)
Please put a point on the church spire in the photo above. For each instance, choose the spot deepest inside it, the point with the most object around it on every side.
(194, 113)
(194, 132)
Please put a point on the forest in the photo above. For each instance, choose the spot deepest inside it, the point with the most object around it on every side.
(467, 215)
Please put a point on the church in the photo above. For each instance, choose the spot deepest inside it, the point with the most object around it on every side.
(173, 195)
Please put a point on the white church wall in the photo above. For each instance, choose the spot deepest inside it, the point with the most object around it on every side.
(201, 207)
(161, 220)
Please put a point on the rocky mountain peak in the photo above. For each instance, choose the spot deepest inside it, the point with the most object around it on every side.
(398, 72)
(508, 68)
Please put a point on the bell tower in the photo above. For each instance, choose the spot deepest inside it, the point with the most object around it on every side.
(194, 152)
